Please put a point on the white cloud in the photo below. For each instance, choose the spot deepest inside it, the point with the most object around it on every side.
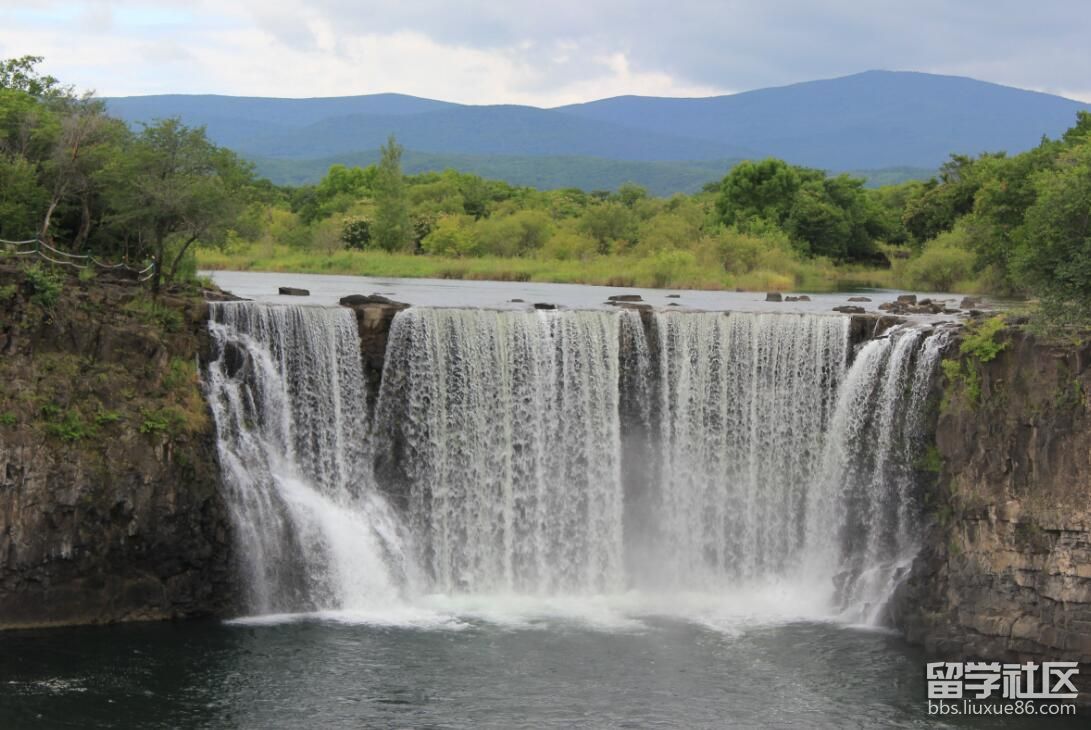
(481, 51)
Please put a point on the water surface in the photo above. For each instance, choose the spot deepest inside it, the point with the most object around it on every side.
(532, 671)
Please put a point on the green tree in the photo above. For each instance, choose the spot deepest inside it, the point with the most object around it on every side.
(391, 228)
(518, 234)
(174, 187)
(356, 232)
(817, 222)
(764, 189)
(1054, 258)
(608, 223)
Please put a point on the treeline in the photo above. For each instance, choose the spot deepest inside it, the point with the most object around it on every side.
(83, 181)
(996, 223)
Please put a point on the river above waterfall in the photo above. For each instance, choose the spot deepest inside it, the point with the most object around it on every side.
(328, 289)
(528, 671)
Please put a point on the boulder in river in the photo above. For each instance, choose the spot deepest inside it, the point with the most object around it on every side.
(907, 298)
(544, 305)
(859, 299)
(291, 291)
(625, 298)
(774, 296)
(353, 300)
(849, 309)
(674, 296)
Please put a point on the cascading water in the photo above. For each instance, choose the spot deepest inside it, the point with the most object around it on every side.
(743, 403)
(508, 427)
(565, 452)
(286, 389)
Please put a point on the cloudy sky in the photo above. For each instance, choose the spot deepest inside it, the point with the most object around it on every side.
(541, 52)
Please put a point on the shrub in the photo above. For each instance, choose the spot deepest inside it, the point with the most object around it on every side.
(945, 264)
(568, 246)
(45, 286)
(451, 237)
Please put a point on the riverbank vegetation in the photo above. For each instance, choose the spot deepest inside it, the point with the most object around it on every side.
(1011, 225)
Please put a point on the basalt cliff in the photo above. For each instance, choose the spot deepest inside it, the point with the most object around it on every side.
(1005, 569)
(110, 507)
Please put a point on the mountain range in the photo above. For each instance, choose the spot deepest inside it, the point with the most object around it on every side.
(888, 125)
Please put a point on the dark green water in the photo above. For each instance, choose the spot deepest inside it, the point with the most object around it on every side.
(328, 674)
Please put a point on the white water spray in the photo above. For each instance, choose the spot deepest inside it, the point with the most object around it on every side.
(286, 389)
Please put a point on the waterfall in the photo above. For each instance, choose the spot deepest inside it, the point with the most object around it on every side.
(509, 432)
(286, 389)
(569, 452)
(743, 403)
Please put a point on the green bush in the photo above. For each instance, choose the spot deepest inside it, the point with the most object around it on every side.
(946, 264)
(45, 286)
(979, 339)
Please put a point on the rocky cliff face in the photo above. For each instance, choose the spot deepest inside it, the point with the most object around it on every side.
(109, 499)
(1005, 572)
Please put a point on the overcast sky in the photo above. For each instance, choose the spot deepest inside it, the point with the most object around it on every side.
(543, 52)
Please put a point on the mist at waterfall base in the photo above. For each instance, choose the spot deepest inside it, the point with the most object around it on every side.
(571, 518)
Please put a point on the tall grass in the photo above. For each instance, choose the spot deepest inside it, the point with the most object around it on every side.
(675, 269)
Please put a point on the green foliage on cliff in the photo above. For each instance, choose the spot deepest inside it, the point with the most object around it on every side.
(45, 286)
(981, 343)
(979, 340)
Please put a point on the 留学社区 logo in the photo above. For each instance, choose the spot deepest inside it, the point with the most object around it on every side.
(992, 688)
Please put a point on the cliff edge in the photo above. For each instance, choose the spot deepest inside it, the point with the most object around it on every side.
(1005, 569)
(110, 507)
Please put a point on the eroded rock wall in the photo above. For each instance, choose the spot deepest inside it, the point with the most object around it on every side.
(110, 507)
(1005, 571)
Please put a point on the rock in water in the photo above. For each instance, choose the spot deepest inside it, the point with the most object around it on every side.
(353, 300)
(849, 309)
(291, 291)
(625, 298)
(859, 299)
(774, 296)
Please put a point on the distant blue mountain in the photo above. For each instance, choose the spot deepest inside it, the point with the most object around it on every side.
(869, 121)
(875, 119)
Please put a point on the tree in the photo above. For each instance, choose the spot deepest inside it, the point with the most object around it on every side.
(173, 188)
(764, 189)
(20, 74)
(356, 232)
(607, 223)
(86, 142)
(817, 222)
(391, 229)
(1054, 256)
(518, 234)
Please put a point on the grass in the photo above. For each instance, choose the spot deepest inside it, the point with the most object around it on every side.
(673, 270)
